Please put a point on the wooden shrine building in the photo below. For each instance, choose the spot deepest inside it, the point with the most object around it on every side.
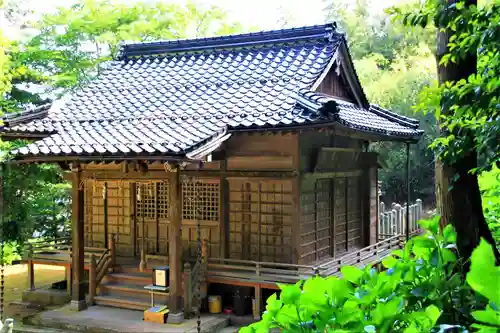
(261, 139)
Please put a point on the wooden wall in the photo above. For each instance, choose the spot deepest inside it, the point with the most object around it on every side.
(137, 209)
(262, 152)
(256, 220)
(311, 142)
(331, 196)
(288, 217)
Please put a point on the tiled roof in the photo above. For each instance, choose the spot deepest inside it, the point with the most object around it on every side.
(375, 119)
(170, 97)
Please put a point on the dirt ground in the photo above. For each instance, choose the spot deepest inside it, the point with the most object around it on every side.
(16, 281)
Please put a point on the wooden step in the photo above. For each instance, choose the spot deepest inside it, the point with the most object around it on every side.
(136, 278)
(133, 290)
(122, 302)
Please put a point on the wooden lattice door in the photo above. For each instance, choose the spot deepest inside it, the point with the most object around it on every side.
(340, 209)
(260, 225)
(354, 220)
(202, 194)
(152, 203)
(323, 219)
(108, 212)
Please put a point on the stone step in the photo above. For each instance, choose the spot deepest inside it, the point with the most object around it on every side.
(122, 302)
(31, 329)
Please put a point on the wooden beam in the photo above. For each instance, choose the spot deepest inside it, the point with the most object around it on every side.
(78, 246)
(175, 244)
(323, 175)
(160, 175)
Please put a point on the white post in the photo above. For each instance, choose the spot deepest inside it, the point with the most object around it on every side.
(419, 209)
(399, 219)
(393, 215)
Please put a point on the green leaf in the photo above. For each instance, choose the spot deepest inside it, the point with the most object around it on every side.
(389, 262)
(273, 304)
(433, 314)
(290, 294)
(352, 274)
(487, 316)
(449, 234)
(484, 276)
(431, 225)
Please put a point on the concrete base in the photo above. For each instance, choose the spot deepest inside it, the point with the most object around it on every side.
(100, 319)
(46, 297)
(175, 318)
(77, 305)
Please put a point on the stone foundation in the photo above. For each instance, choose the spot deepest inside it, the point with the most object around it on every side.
(46, 297)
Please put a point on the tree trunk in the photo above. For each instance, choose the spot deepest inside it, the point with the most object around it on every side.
(457, 191)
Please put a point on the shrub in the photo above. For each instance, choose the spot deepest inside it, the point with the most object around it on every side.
(421, 289)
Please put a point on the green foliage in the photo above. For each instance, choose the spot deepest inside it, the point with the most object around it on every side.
(467, 109)
(37, 202)
(489, 183)
(394, 65)
(75, 41)
(421, 289)
(5, 74)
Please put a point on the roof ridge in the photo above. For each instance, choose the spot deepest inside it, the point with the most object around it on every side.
(323, 31)
(11, 119)
(396, 117)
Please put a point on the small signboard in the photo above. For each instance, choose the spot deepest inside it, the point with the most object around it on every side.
(161, 276)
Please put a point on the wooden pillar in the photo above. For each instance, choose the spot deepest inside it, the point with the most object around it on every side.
(224, 214)
(365, 192)
(92, 279)
(68, 274)
(31, 275)
(297, 211)
(188, 288)
(258, 302)
(175, 248)
(78, 290)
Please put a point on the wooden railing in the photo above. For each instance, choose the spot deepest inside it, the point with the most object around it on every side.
(262, 272)
(100, 267)
(392, 220)
(58, 252)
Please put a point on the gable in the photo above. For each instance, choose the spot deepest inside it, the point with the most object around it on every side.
(340, 79)
(335, 84)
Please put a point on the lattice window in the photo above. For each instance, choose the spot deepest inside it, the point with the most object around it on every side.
(203, 195)
(146, 200)
(153, 200)
(163, 199)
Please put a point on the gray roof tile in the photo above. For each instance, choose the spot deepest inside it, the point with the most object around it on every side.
(170, 97)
